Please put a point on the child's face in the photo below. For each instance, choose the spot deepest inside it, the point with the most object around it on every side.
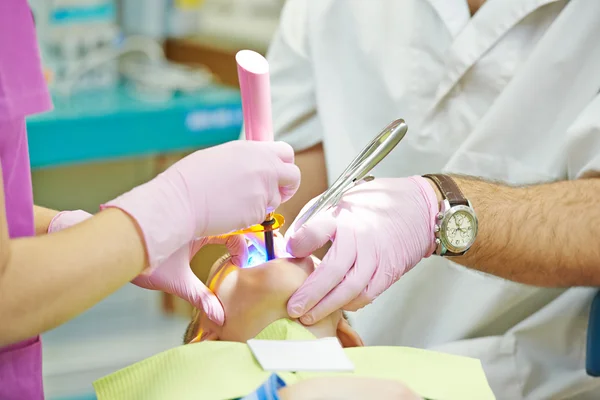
(255, 297)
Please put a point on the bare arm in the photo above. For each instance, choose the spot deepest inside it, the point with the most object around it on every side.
(544, 235)
(42, 217)
(47, 280)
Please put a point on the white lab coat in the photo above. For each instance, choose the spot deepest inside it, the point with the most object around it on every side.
(510, 95)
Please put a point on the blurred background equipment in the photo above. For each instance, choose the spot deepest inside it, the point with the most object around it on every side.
(70, 31)
(136, 85)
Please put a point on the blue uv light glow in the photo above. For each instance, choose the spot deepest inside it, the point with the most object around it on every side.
(255, 257)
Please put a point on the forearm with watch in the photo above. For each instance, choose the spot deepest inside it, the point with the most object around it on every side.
(543, 235)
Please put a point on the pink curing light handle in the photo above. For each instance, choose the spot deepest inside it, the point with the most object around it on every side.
(253, 74)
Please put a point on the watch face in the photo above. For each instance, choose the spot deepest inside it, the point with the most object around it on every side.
(459, 231)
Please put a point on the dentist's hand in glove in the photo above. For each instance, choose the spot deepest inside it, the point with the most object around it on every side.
(174, 275)
(379, 229)
(208, 193)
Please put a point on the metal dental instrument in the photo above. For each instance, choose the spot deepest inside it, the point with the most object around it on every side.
(358, 169)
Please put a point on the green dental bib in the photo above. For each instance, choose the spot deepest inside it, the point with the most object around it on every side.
(227, 370)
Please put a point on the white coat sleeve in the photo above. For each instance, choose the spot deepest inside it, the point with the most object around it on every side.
(295, 118)
(583, 147)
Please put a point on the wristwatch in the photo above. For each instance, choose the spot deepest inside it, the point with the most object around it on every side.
(456, 223)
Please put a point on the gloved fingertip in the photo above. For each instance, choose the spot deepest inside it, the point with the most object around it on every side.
(143, 281)
(295, 310)
(214, 312)
(218, 317)
(307, 238)
(307, 319)
(206, 301)
(297, 247)
(289, 248)
(287, 192)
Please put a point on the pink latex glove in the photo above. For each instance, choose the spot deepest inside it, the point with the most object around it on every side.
(65, 219)
(380, 230)
(174, 275)
(209, 193)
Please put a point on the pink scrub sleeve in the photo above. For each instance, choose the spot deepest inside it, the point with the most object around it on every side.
(23, 92)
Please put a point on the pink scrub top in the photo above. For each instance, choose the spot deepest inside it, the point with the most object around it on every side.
(23, 92)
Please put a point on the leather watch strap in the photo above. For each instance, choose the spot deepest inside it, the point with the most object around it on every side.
(449, 188)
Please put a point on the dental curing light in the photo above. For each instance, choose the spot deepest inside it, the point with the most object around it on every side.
(255, 88)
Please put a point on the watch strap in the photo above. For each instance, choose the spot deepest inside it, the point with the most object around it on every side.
(448, 253)
(449, 188)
